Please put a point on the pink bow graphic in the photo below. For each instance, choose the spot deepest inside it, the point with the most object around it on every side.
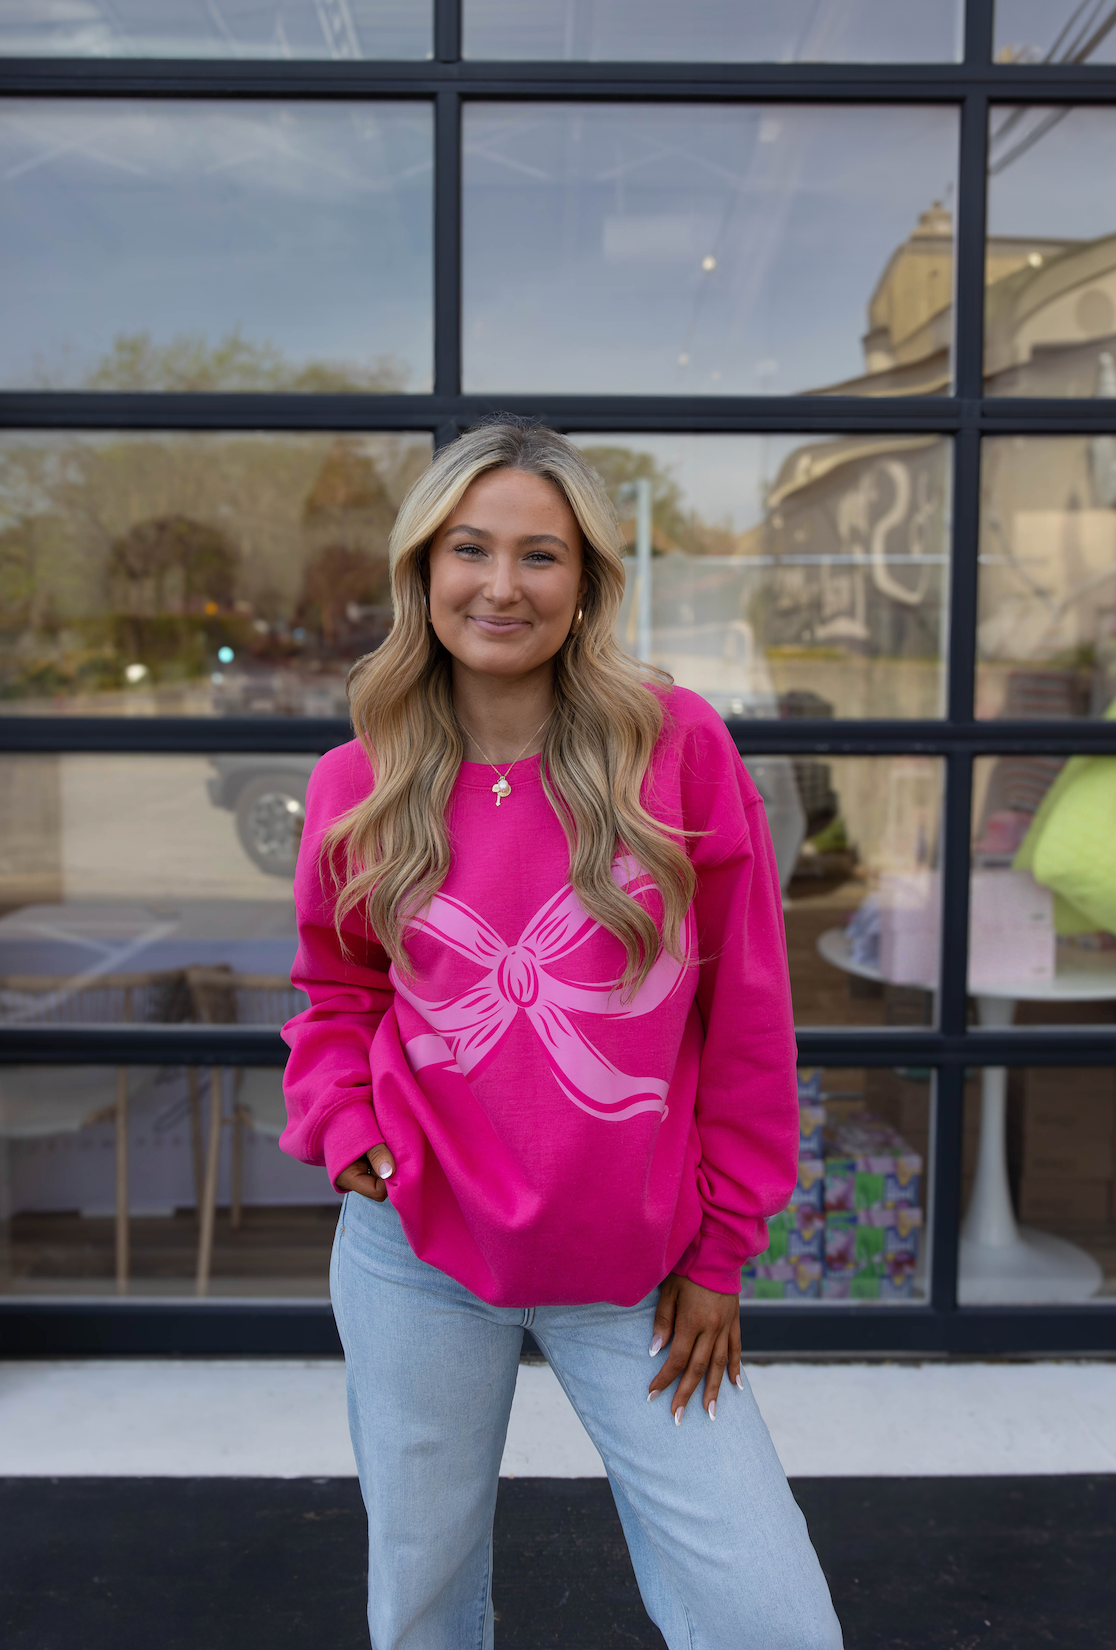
(469, 1027)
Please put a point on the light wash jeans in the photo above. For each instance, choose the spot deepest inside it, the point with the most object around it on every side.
(720, 1549)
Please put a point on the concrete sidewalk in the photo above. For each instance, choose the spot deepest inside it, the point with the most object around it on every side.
(285, 1418)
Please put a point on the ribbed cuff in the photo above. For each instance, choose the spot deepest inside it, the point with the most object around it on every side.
(714, 1262)
(347, 1134)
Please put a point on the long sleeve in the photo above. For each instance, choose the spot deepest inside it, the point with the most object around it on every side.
(327, 1082)
(746, 1108)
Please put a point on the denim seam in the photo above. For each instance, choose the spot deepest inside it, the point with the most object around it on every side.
(335, 1264)
(650, 1538)
(486, 1592)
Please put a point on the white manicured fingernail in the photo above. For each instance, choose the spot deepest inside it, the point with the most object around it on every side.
(740, 1382)
(651, 1396)
(712, 1410)
(656, 1346)
(385, 1172)
(678, 1414)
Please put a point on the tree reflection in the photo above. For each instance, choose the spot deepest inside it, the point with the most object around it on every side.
(194, 572)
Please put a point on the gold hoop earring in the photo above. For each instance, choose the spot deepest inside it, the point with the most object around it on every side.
(579, 620)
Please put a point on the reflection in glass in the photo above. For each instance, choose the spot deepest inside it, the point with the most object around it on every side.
(216, 246)
(1047, 594)
(1042, 947)
(162, 573)
(141, 889)
(123, 876)
(715, 31)
(237, 28)
(1050, 305)
(156, 1181)
(1055, 31)
(856, 840)
(786, 575)
(682, 250)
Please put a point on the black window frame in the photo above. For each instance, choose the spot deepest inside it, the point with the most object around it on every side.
(940, 1326)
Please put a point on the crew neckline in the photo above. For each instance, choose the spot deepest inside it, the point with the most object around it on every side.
(478, 776)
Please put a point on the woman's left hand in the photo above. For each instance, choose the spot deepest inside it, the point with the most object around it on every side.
(704, 1330)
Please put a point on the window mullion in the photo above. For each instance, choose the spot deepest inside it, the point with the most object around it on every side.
(447, 243)
(979, 33)
(447, 31)
(945, 1186)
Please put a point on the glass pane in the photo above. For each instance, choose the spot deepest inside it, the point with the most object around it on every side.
(195, 574)
(149, 888)
(682, 250)
(856, 841)
(787, 575)
(198, 28)
(216, 246)
(1039, 1223)
(1047, 594)
(856, 1227)
(1042, 947)
(75, 1225)
(1050, 306)
(1054, 31)
(716, 31)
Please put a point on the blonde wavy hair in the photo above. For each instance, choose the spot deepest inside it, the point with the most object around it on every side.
(390, 854)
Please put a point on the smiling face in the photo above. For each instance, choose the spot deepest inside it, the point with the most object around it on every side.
(506, 575)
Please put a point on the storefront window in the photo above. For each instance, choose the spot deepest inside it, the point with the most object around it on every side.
(216, 245)
(155, 573)
(705, 285)
(1050, 304)
(786, 576)
(678, 250)
(1047, 606)
(157, 1181)
(277, 29)
(715, 31)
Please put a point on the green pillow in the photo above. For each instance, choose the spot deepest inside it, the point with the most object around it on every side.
(1069, 847)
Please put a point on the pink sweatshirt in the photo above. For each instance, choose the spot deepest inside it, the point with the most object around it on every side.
(554, 1143)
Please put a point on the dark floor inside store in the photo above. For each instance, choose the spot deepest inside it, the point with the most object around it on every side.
(220, 1564)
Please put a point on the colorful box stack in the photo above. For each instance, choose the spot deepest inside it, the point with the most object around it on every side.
(872, 1214)
(781, 1280)
(811, 1114)
(790, 1268)
(809, 1189)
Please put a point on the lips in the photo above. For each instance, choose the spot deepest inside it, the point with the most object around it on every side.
(497, 627)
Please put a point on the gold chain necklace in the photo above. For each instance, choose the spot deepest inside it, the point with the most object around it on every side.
(501, 787)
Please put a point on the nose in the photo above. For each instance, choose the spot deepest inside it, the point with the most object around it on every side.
(503, 581)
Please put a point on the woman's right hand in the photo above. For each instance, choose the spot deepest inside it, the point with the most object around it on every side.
(369, 1174)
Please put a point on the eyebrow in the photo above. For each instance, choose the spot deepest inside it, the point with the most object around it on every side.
(528, 538)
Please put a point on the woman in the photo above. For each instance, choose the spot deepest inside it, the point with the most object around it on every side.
(549, 1060)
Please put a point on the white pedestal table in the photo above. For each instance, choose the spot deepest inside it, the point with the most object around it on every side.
(1002, 1263)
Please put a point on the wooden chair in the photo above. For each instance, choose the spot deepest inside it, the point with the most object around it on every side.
(222, 997)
